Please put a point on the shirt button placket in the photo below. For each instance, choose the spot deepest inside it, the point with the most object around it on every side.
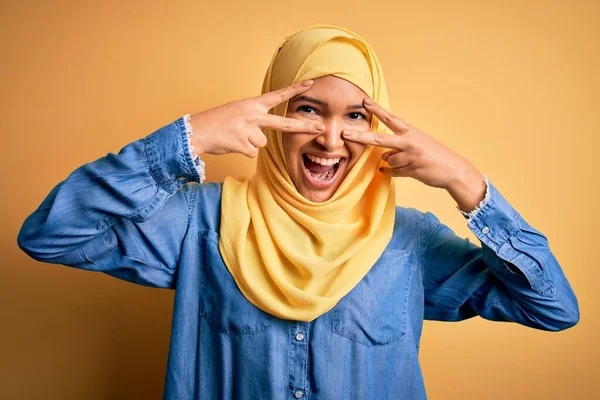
(298, 361)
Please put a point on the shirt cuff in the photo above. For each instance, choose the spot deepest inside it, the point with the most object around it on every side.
(198, 163)
(503, 231)
(470, 215)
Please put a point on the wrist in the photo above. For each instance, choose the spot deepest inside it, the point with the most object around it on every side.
(468, 189)
(192, 150)
(197, 139)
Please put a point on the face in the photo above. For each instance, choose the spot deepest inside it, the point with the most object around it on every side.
(318, 163)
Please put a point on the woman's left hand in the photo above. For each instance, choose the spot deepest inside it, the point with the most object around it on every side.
(415, 154)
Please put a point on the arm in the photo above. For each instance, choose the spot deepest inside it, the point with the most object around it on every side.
(124, 214)
(127, 214)
(513, 276)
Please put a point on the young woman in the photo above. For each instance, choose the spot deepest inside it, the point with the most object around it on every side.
(305, 281)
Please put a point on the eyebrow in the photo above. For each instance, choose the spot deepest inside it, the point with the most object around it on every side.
(324, 104)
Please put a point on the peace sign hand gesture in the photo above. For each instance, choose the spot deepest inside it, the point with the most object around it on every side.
(236, 127)
(415, 154)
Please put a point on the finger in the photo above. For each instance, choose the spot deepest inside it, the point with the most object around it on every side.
(288, 124)
(249, 150)
(390, 120)
(399, 160)
(258, 139)
(376, 139)
(404, 171)
(388, 153)
(271, 99)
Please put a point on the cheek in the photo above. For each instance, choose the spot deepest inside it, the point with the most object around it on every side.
(289, 144)
(357, 149)
(292, 142)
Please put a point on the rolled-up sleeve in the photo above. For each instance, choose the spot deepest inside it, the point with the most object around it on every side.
(124, 214)
(512, 276)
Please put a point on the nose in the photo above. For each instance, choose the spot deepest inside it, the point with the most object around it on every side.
(331, 138)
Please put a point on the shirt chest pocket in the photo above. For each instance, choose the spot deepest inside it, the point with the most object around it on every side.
(222, 304)
(375, 312)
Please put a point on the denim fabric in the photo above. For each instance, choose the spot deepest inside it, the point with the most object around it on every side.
(141, 216)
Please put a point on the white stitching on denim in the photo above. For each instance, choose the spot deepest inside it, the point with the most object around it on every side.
(198, 163)
(470, 215)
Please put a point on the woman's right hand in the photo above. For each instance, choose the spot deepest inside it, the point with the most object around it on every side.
(235, 127)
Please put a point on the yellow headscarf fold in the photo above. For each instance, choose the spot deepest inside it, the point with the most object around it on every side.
(289, 256)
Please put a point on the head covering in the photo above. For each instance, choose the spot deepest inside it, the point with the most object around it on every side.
(289, 256)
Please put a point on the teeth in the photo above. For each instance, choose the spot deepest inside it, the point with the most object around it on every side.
(323, 161)
(323, 176)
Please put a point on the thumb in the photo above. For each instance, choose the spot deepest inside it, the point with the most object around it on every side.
(388, 154)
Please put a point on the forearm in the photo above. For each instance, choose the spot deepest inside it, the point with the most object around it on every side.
(132, 184)
(514, 275)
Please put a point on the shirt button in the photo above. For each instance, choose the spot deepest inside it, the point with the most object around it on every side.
(181, 178)
(299, 336)
(485, 230)
(298, 394)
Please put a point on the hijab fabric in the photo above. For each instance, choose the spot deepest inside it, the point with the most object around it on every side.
(289, 256)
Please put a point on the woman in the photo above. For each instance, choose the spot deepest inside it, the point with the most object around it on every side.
(306, 281)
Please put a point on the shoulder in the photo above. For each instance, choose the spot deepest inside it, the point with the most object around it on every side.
(207, 204)
(420, 220)
(412, 226)
(409, 218)
(210, 190)
(407, 228)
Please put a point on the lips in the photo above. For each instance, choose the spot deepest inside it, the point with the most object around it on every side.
(321, 172)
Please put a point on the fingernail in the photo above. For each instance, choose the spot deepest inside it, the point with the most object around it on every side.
(368, 102)
(307, 83)
(320, 127)
(346, 133)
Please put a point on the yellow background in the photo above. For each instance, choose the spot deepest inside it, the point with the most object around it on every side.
(512, 86)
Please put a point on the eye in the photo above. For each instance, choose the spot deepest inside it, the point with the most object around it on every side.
(357, 115)
(306, 109)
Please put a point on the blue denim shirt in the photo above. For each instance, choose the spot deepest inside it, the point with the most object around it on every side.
(141, 215)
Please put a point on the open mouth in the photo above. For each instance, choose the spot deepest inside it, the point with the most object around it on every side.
(321, 172)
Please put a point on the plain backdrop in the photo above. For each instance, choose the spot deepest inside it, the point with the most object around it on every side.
(512, 86)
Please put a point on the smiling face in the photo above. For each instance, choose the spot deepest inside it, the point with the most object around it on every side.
(318, 163)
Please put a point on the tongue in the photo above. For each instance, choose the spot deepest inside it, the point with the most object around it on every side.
(316, 167)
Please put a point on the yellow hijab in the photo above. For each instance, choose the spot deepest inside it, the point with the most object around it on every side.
(289, 256)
